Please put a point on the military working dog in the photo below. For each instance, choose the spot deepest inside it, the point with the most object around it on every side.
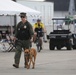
(30, 57)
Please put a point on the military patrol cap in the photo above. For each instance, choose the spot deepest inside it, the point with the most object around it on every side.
(23, 14)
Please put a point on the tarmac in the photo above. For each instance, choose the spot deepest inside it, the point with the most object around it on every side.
(48, 62)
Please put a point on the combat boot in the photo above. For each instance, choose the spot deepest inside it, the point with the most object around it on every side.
(16, 65)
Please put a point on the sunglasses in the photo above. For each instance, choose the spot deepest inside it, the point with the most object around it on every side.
(22, 16)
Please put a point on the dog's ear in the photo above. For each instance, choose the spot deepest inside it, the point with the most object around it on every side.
(26, 50)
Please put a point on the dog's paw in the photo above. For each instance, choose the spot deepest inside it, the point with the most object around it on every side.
(33, 67)
(27, 67)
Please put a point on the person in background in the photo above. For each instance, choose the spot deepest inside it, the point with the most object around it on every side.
(39, 26)
(23, 36)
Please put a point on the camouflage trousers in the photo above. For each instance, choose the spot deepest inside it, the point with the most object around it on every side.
(20, 44)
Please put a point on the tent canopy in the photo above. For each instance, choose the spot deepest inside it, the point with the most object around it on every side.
(11, 8)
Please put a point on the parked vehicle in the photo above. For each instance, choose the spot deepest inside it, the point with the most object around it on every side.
(61, 35)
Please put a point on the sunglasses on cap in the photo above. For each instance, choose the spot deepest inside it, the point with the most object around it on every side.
(22, 16)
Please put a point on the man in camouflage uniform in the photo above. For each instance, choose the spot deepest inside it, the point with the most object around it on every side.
(23, 36)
